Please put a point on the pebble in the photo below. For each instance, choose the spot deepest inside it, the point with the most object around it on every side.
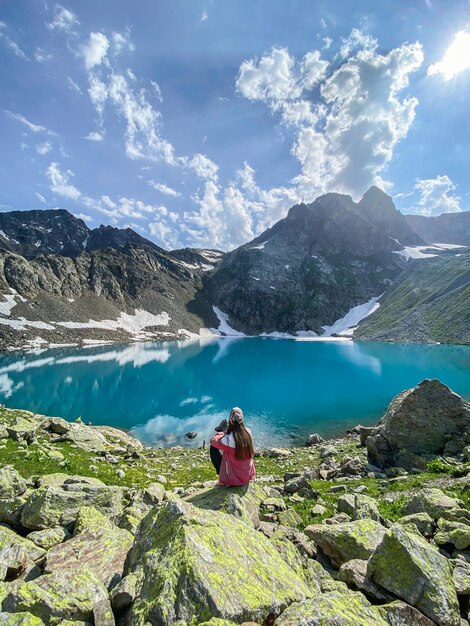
(120, 473)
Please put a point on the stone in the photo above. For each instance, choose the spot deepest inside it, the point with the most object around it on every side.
(58, 505)
(420, 420)
(103, 613)
(336, 608)
(102, 551)
(243, 502)
(354, 574)
(352, 467)
(183, 562)
(20, 619)
(124, 593)
(118, 437)
(64, 595)
(191, 435)
(358, 506)
(326, 451)
(58, 425)
(22, 429)
(297, 483)
(318, 509)
(3, 432)
(87, 438)
(49, 537)
(17, 554)
(277, 452)
(432, 501)
(289, 517)
(454, 533)
(11, 483)
(398, 613)
(314, 440)
(407, 566)
(423, 522)
(461, 576)
(343, 542)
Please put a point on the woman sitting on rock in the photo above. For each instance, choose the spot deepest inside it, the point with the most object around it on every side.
(235, 465)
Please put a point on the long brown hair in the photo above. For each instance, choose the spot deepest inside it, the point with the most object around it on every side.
(243, 441)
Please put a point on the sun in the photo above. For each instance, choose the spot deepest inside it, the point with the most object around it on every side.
(456, 59)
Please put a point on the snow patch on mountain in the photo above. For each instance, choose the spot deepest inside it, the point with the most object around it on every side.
(352, 318)
(224, 327)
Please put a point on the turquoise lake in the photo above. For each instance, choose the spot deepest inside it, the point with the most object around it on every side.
(287, 389)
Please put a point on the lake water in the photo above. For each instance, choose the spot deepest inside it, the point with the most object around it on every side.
(287, 389)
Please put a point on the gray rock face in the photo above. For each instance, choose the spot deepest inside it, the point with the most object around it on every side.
(446, 228)
(432, 501)
(407, 566)
(310, 268)
(418, 421)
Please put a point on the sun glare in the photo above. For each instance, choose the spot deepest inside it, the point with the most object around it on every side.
(456, 59)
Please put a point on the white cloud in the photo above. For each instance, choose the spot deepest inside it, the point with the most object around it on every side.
(10, 43)
(41, 56)
(204, 16)
(84, 216)
(64, 20)
(456, 58)
(95, 136)
(98, 93)
(357, 41)
(327, 41)
(41, 197)
(204, 167)
(122, 41)
(313, 69)
(272, 78)
(44, 148)
(35, 128)
(60, 182)
(73, 85)
(94, 52)
(163, 188)
(437, 196)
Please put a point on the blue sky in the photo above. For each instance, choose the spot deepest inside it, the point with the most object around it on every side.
(200, 122)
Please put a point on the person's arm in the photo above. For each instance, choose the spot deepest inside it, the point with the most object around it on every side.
(216, 442)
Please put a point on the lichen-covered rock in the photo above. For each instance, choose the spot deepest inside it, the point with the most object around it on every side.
(57, 425)
(432, 501)
(87, 438)
(59, 596)
(124, 593)
(423, 522)
(343, 542)
(58, 505)
(407, 566)
(103, 614)
(332, 609)
(243, 502)
(398, 613)
(17, 554)
(103, 550)
(454, 533)
(193, 564)
(289, 517)
(358, 506)
(418, 421)
(354, 574)
(91, 520)
(141, 501)
(23, 429)
(49, 537)
(12, 484)
(217, 621)
(20, 619)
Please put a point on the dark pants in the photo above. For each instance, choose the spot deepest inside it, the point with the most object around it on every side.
(216, 458)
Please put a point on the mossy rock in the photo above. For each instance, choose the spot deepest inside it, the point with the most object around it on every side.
(332, 609)
(343, 542)
(12, 484)
(193, 564)
(9, 539)
(453, 533)
(49, 537)
(20, 619)
(422, 521)
(56, 597)
(399, 613)
(432, 501)
(243, 501)
(407, 566)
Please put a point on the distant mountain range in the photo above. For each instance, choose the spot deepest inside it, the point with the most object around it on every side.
(321, 269)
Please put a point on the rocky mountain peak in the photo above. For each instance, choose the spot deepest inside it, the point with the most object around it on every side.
(117, 238)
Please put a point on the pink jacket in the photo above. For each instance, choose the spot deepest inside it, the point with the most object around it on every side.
(233, 471)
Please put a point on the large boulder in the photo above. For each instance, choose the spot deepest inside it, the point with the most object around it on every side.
(432, 501)
(242, 502)
(359, 506)
(192, 564)
(337, 608)
(56, 597)
(343, 542)
(418, 421)
(407, 566)
(99, 547)
(58, 504)
(454, 533)
(13, 492)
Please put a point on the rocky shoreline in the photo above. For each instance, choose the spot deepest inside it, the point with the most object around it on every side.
(370, 528)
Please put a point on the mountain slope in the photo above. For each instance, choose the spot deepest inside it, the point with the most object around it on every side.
(429, 303)
(312, 267)
(446, 228)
